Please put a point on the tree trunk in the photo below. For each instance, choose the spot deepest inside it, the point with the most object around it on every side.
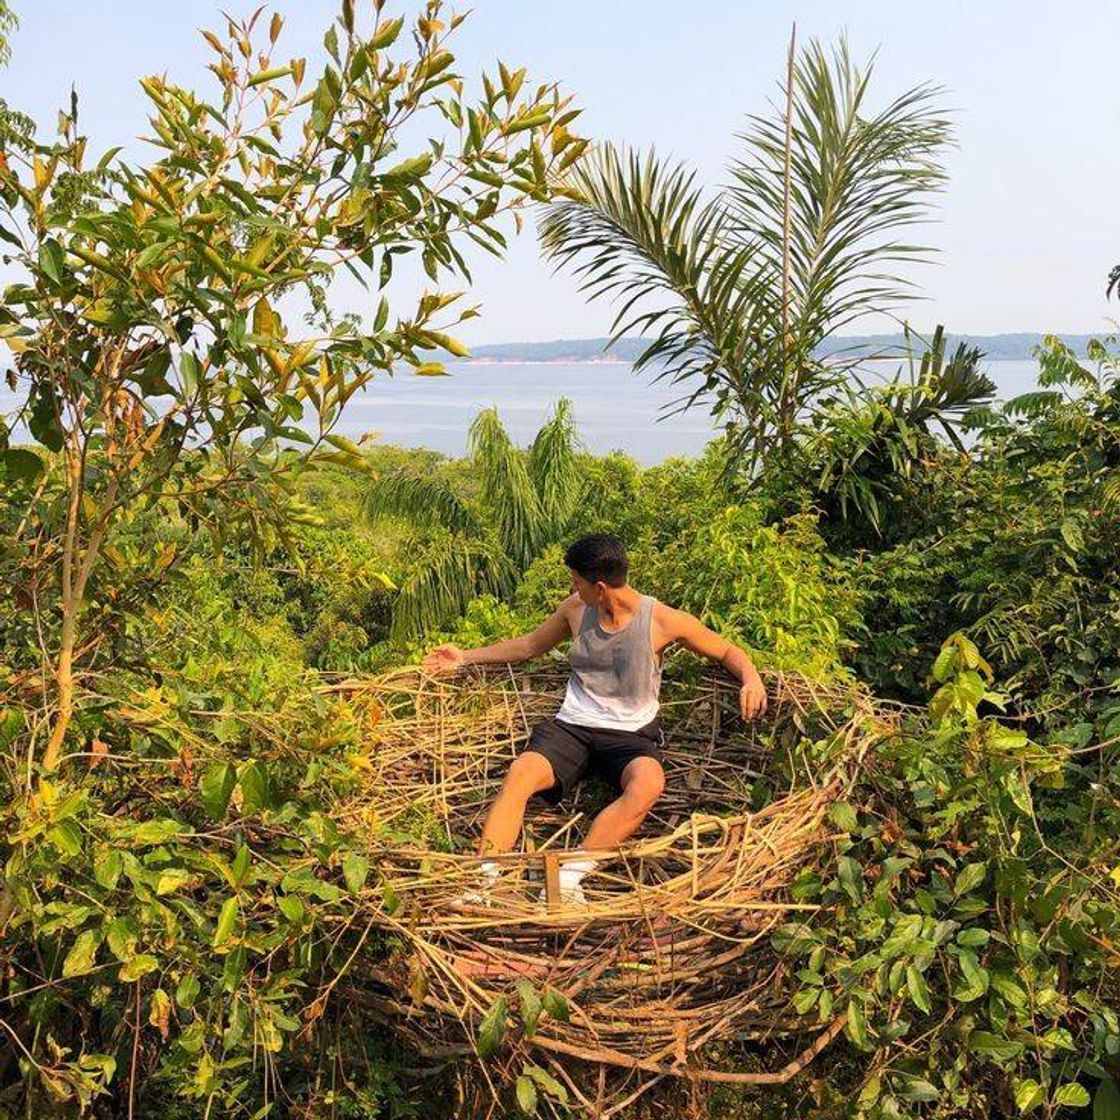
(73, 591)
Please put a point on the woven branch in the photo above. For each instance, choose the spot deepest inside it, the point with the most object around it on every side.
(671, 955)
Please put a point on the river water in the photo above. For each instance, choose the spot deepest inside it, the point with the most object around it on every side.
(613, 406)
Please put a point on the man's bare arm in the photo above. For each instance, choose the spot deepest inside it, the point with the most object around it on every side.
(680, 626)
(548, 635)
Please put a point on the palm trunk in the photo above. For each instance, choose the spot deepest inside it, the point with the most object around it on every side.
(787, 399)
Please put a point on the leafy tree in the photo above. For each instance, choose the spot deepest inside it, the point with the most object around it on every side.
(525, 502)
(739, 291)
(160, 351)
(9, 21)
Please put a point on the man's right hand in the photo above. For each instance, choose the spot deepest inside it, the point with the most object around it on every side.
(444, 659)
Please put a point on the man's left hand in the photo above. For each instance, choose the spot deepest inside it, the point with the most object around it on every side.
(752, 697)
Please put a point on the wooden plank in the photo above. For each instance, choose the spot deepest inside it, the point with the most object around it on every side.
(552, 880)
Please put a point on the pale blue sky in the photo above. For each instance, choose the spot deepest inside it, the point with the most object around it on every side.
(1028, 227)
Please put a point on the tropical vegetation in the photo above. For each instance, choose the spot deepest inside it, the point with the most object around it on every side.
(191, 557)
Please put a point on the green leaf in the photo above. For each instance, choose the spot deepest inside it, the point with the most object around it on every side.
(408, 170)
(291, 906)
(918, 1089)
(973, 938)
(387, 33)
(976, 976)
(1071, 1094)
(526, 1092)
(850, 875)
(140, 965)
(1029, 1095)
(869, 1094)
(844, 816)
(241, 864)
(52, 260)
(22, 465)
(107, 865)
(1106, 1101)
(1010, 989)
(171, 880)
(355, 870)
(555, 1089)
(918, 989)
(992, 1046)
(122, 934)
(156, 831)
(856, 1027)
(253, 779)
(186, 992)
(969, 876)
(82, 954)
(1075, 542)
(556, 1004)
(492, 1029)
(227, 919)
(943, 664)
(263, 76)
(66, 838)
(529, 1006)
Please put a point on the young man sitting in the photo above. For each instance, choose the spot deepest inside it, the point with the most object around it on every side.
(608, 722)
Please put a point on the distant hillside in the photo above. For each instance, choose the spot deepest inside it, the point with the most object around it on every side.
(999, 347)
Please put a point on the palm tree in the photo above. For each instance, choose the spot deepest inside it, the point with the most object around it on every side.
(738, 292)
(1113, 282)
(525, 501)
(871, 438)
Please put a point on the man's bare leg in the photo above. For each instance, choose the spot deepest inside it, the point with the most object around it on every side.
(529, 773)
(642, 783)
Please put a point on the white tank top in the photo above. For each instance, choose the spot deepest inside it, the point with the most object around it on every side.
(615, 680)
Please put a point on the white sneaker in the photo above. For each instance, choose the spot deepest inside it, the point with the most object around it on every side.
(571, 894)
(480, 895)
(474, 897)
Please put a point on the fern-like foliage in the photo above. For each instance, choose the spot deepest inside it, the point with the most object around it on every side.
(554, 471)
(507, 487)
(439, 589)
(421, 498)
(526, 501)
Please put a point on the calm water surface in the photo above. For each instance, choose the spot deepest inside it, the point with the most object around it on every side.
(614, 407)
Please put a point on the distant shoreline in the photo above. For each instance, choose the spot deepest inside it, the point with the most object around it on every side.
(1012, 346)
(568, 361)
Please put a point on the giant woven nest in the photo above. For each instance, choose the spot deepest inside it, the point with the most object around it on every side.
(669, 968)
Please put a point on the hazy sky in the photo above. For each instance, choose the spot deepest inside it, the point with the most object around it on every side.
(1029, 226)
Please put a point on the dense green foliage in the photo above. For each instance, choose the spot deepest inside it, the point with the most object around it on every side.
(181, 852)
(971, 924)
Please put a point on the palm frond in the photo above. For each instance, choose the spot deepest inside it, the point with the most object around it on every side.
(857, 179)
(439, 589)
(1110, 492)
(507, 488)
(637, 231)
(943, 392)
(1033, 404)
(421, 499)
(553, 469)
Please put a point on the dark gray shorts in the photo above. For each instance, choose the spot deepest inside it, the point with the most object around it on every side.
(575, 751)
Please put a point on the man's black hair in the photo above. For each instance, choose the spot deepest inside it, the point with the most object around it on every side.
(599, 558)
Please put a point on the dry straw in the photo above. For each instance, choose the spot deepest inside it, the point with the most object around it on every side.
(671, 959)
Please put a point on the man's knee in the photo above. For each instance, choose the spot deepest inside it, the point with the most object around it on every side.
(529, 773)
(644, 785)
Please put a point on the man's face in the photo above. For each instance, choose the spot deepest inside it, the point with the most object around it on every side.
(590, 594)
